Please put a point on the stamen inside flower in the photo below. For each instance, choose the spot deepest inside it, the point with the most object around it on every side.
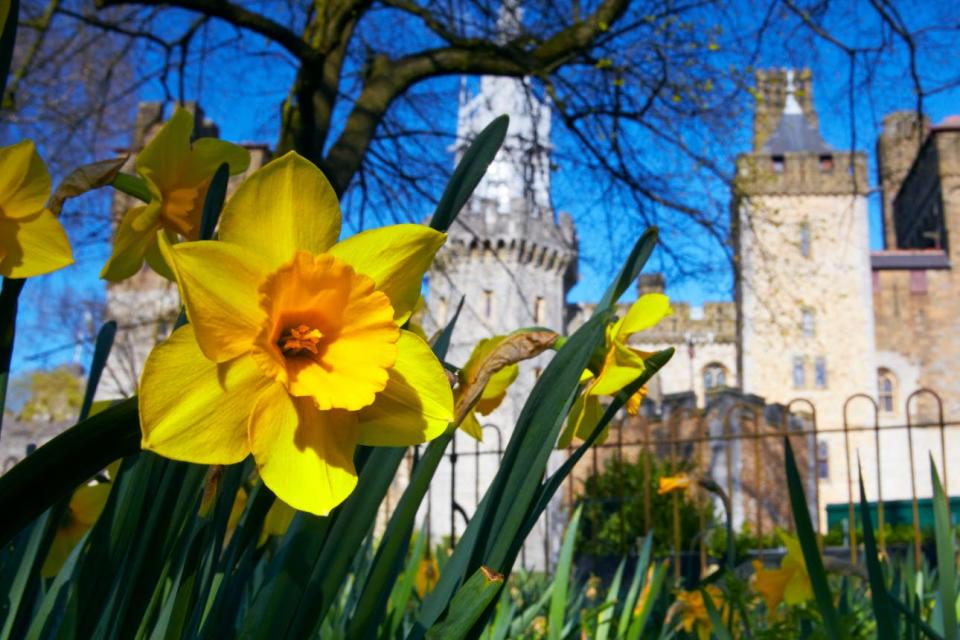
(295, 340)
(182, 208)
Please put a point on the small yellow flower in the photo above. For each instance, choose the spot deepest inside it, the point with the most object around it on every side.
(85, 507)
(178, 175)
(294, 351)
(669, 484)
(693, 612)
(622, 365)
(427, 575)
(493, 393)
(539, 627)
(634, 401)
(32, 240)
(789, 584)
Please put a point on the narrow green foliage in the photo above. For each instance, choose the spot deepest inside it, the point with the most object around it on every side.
(133, 186)
(8, 36)
(631, 269)
(719, 629)
(101, 351)
(605, 620)
(469, 172)
(213, 202)
(808, 544)
(886, 621)
(561, 579)
(946, 557)
(55, 469)
(468, 605)
(9, 298)
(633, 592)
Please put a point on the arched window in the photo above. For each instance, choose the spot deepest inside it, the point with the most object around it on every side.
(714, 376)
(886, 390)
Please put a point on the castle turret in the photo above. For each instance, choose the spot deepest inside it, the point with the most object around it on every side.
(512, 260)
(804, 322)
(898, 145)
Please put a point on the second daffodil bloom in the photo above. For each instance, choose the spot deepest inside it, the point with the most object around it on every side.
(693, 613)
(790, 583)
(178, 175)
(494, 391)
(294, 350)
(85, 506)
(621, 366)
(32, 240)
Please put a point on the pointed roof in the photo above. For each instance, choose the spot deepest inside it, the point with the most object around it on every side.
(794, 133)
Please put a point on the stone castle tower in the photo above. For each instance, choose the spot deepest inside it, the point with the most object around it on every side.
(805, 322)
(512, 262)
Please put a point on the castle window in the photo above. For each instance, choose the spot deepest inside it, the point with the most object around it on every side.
(886, 390)
(540, 310)
(805, 239)
(714, 376)
(487, 304)
(823, 460)
(776, 163)
(806, 323)
(820, 373)
(799, 381)
(826, 163)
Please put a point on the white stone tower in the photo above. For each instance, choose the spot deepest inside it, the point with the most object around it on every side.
(512, 261)
(805, 310)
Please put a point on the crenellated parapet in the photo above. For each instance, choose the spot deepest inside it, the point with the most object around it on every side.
(802, 173)
(482, 234)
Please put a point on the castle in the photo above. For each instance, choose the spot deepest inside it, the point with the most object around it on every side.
(816, 314)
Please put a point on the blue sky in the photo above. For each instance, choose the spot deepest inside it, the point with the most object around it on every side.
(245, 104)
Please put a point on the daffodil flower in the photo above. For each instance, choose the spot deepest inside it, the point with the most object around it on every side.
(86, 504)
(790, 583)
(32, 240)
(669, 484)
(178, 175)
(294, 351)
(428, 572)
(621, 366)
(693, 613)
(494, 391)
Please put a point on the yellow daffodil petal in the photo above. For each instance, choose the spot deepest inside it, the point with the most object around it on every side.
(24, 180)
(396, 257)
(86, 505)
(166, 154)
(33, 245)
(156, 261)
(416, 405)
(798, 589)
(278, 520)
(582, 419)
(646, 312)
(622, 366)
(208, 154)
(134, 237)
(669, 484)
(496, 389)
(193, 409)
(305, 456)
(472, 427)
(770, 584)
(219, 285)
(284, 207)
